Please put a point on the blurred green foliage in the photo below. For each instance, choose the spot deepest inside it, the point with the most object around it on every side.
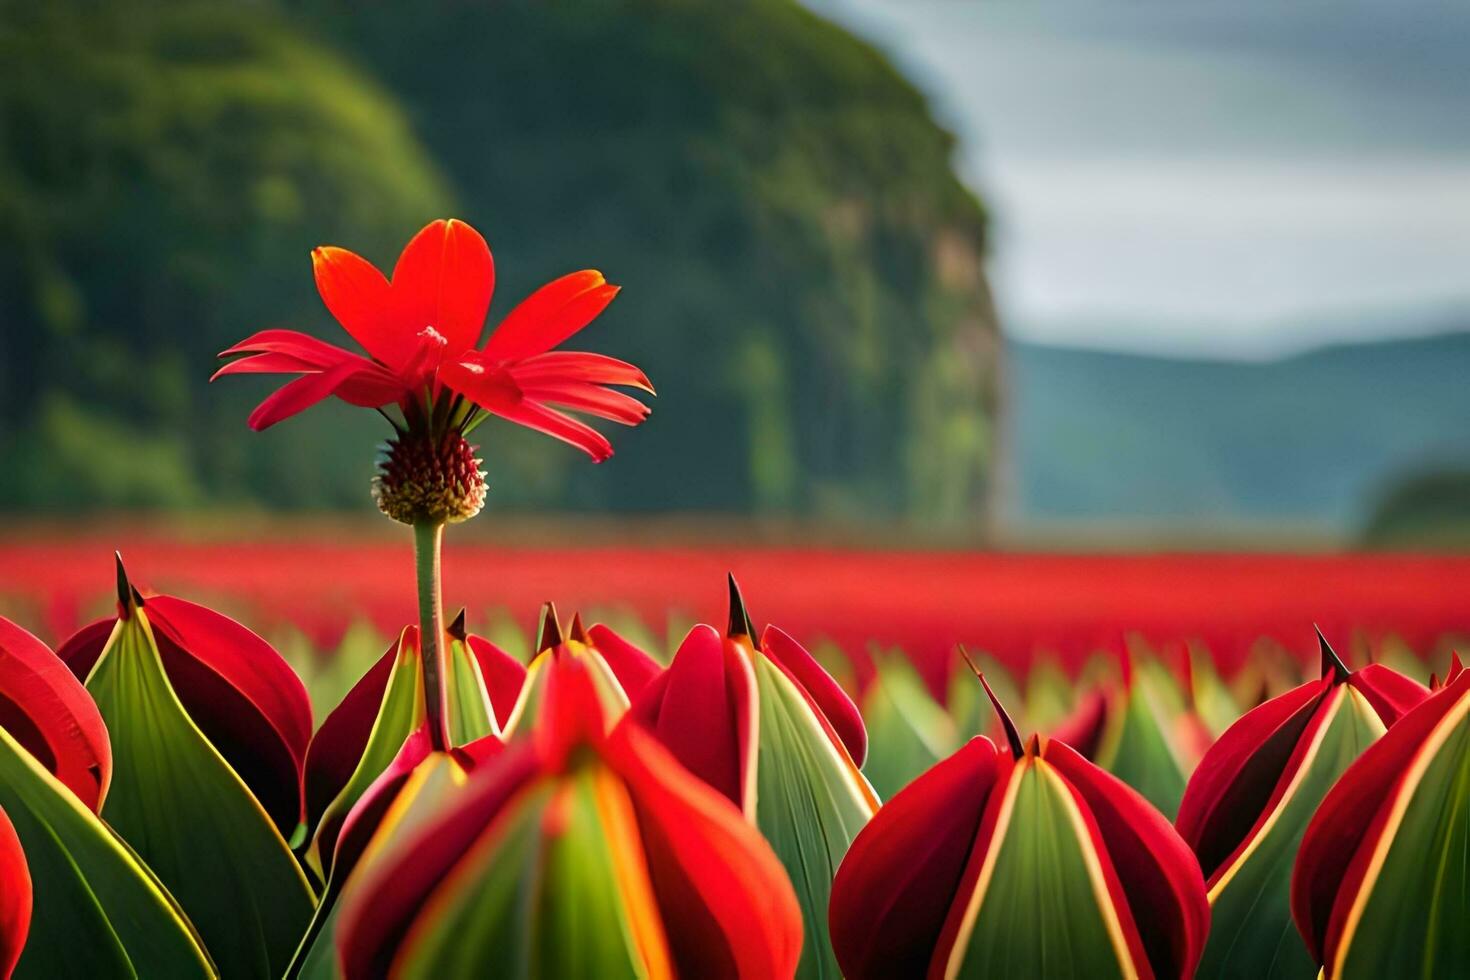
(802, 269)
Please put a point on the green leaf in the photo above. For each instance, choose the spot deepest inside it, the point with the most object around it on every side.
(810, 803)
(1040, 914)
(1136, 750)
(1251, 930)
(908, 731)
(1416, 921)
(191, 818)
(98, 911)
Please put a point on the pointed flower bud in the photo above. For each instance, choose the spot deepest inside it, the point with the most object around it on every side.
(234, 686)
(1380, 882)
(577, 853)
(1253, 794)
(765, 725)
(1021, 861)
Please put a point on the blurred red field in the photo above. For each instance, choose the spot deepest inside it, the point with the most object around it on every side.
(1013, 605)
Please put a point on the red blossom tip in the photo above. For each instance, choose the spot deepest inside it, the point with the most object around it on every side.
(1013, 737)
(577, 631)
(1332, 665)
(457, 628)
(740, 624)
(551, 632)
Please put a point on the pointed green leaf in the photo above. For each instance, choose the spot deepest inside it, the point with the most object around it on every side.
(1040, 913)
(908, 731)
(1137, 751)
(98, 911)
(191, 818)
(1416, 918)
(1251, 930)
(810, 803)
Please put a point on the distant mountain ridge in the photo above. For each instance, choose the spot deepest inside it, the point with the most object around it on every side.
(1316, 437)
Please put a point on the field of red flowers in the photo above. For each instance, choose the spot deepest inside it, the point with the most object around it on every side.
(1011, 605)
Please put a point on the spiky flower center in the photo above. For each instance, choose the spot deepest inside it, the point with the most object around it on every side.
(427, 479)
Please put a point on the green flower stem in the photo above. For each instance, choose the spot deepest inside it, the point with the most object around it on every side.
(428, 540)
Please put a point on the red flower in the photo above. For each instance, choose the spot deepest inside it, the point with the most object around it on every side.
(420, 330)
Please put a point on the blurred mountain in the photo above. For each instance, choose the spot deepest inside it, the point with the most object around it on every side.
(802, 269)
(1317, 437)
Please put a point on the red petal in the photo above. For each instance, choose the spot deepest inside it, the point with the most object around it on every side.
(293, 343)
(1160, 878)
(1391, 694)
(249, 663)
(558, 425)
(246, 699)
(1334, 854)
(550, 315)
(729, 908)
(828, 695)
(384, 901)
(633, 668)
(360, 298)
(569, 365)
(895, 887)
(503, 675)
(46, 709)
(15, 897)
(485, 383)
(604, 403)
(1235, 779)
(300, 395)
(338, 745)
(444, 279)
(700, 709)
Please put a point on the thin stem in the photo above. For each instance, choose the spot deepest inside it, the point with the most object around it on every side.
(428, 540)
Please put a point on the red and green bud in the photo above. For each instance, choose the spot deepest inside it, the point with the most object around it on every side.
(1381, 886)
(1023, 861)
(772, 731)
(74, 900)
(418, 783)
(1251, 798)
(245, 699)
(575, 853)
(616, 667)
(177, 799)
(365, 732)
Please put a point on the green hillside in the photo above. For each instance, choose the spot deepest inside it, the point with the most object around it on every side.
(1319, 437)
(801, 267)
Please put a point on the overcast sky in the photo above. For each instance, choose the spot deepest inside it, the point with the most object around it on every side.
(1235, 177)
